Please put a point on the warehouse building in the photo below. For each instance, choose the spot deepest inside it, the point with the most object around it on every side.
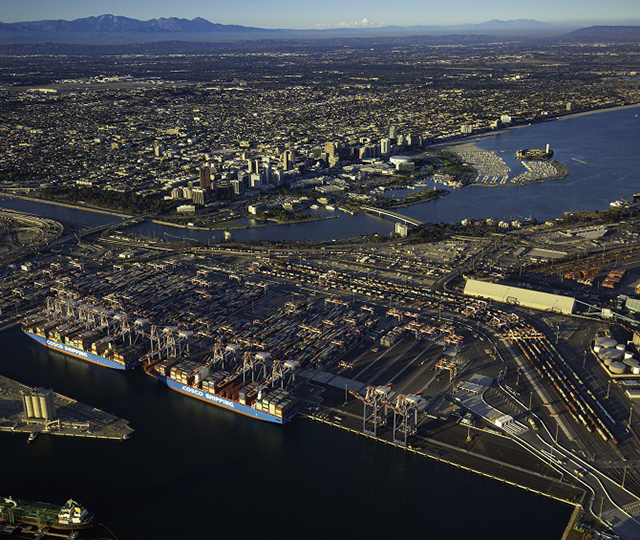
(520, 297)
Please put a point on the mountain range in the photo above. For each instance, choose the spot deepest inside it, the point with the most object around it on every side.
(113, 29)
(117, 29)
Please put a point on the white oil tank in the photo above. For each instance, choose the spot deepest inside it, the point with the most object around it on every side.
(617, 368)
(611, 354)
(621, 347)
(606, 342)
(635, 370)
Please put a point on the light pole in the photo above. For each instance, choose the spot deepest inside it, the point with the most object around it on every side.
(609, 390)
(630, 415)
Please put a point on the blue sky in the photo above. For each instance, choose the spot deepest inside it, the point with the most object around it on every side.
(319, 13)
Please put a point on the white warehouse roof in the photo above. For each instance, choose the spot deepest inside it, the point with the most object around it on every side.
(520, 297)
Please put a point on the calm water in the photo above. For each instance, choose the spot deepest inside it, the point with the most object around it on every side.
(195, 471)
(609, 142)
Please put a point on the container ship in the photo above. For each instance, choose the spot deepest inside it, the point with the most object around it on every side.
(226, 389)
(105, 345)
(70, 516)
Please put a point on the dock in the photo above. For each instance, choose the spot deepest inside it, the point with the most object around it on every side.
(73, 419)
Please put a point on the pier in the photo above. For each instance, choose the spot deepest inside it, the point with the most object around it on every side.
(73, 419)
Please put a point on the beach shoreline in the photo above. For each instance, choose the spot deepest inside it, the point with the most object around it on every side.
(472, 139)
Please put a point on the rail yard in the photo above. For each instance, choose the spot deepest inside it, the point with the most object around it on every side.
(381, 343)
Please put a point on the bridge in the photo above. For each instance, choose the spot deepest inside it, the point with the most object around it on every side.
(77, 236)
(133, 220)
(382, 212)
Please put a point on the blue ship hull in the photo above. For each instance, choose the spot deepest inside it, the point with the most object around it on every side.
(221, 402)
(77, 353)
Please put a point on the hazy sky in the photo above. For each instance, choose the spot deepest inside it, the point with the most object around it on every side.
(314, 13)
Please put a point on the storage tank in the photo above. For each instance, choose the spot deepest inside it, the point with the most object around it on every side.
(635, 370)
(47, 408)
(27, 406)
(617, 368)
(621, 347)
(35, 402)
(606, 342)
(631, 362)
(611, 354)
(627, 355)
(597, 348)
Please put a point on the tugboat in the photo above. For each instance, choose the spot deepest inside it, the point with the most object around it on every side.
(32, 437)
(70, 516)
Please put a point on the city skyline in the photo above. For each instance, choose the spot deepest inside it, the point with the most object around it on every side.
(331, 14)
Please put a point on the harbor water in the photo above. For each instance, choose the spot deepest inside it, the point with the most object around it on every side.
(193, 470)
(600, 150)
(197, 471)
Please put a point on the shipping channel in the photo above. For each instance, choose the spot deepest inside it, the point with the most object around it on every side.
(600, 150)
(193, 470)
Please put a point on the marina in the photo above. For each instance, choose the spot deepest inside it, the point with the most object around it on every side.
(593, 138)
(230, 327)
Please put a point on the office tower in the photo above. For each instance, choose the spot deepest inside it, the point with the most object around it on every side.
(205, 178)
(330, 149)
(238, 187)
(199, 196)
(288, 159)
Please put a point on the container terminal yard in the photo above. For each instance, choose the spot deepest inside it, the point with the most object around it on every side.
(527, 388)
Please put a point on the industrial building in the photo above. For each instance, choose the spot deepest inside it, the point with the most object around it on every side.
(518, 296)
(39, 404)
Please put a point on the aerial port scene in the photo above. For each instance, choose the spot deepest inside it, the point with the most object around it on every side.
(369, 277)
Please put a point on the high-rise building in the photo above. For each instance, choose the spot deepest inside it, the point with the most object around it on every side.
(199, 196)
(256, 181)
(330, 149)
(569, 107)
(288, 159)
(158, 150)
(466, 129)
(238, 187)
(392, 132)
(385, 146)
(267, 173)
(205, 178)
